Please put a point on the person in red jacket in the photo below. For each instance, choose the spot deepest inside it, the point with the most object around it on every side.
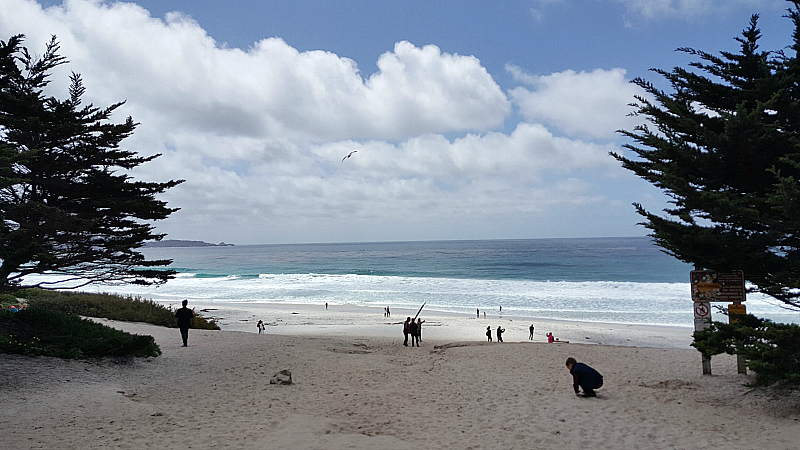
(584, 377)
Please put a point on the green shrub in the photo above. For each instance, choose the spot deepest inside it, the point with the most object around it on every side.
(772, 350)
(37, 332)
(109, 306)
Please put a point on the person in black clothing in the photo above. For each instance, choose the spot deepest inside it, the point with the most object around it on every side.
(489, 333)
(500, 331)
(405, 331)
(584, 377)
(413, 331)
(531, 330)
(184, 316)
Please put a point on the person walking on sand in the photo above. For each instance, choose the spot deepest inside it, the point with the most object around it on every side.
(260, 326)
(413, 330)
(405, 330)
(584, 377)
(531, 330)
(184, 316)
(489, 333)
(500, 331)
(419, 330)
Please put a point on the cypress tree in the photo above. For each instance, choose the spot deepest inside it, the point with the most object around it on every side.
(725, 147)
(67, 205)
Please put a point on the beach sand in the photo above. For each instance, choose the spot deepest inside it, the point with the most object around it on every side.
(356, 387)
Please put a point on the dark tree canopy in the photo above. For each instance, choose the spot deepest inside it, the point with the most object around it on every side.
(725, 146)
(66, 205)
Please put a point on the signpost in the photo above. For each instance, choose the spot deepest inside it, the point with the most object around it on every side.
(711, 286)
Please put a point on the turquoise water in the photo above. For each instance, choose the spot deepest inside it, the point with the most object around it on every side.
(617, 280)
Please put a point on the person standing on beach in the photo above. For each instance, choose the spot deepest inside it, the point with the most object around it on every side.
(419, 330)
(584, 377)
(405, 330)
(388, 313)
(413, 330)
(489, 333)
(500, 331)
(184, 316)
(531, 329)
(260, 326)
(478, 313)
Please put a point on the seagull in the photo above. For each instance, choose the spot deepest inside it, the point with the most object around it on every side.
(349, 155)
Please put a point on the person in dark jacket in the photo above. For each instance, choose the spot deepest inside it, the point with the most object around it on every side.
(584, 377)
(405, 330)
(413, 330)
(184, 316)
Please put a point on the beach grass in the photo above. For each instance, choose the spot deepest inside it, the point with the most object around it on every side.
(40, 332)
(109, 306)
(50, 324)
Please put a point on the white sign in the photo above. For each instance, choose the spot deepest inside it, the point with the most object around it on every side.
(702, 315)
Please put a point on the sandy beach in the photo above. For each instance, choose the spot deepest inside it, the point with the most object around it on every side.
(357, 387)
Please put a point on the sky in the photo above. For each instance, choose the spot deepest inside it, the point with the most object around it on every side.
(468, 119)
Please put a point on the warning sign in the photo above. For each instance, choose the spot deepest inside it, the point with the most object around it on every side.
(712, 286)
(702, 310)
(735, 308)
(702, 316)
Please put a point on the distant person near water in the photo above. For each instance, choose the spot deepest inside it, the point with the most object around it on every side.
(500, 331)
(405, 330)
(326, 305)
(531, 329)
(419, 330)
(184, 316)
(489, 333)
(584, 377)
(478, 313)
(388, 313)
(550, 338)
(413, 330)
(260, 326)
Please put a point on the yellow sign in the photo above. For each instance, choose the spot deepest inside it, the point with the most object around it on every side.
(735, 308)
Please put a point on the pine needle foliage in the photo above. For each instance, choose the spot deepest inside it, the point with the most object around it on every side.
(725, 147)
(67, 204)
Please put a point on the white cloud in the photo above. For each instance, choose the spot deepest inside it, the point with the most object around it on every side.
(585, 104)
(687, 8)
(259, 134)
(269, 89)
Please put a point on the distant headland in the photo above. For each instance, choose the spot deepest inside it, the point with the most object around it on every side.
(184, 243)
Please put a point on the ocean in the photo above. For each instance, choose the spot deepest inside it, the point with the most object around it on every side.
(614, 280)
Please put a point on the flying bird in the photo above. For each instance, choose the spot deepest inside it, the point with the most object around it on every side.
(349, 155)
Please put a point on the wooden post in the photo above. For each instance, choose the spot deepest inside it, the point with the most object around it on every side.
(706, 365)
(702, 320)
(738, 308)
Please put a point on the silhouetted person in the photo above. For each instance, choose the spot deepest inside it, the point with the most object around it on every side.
(584, 377)
(500, 331)
(413, 330)
(388, 313)
(260, 326)
(419, 330)
(489, 333)
(531, 329)
(405, 330)
(478, 313)
(184, 316)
